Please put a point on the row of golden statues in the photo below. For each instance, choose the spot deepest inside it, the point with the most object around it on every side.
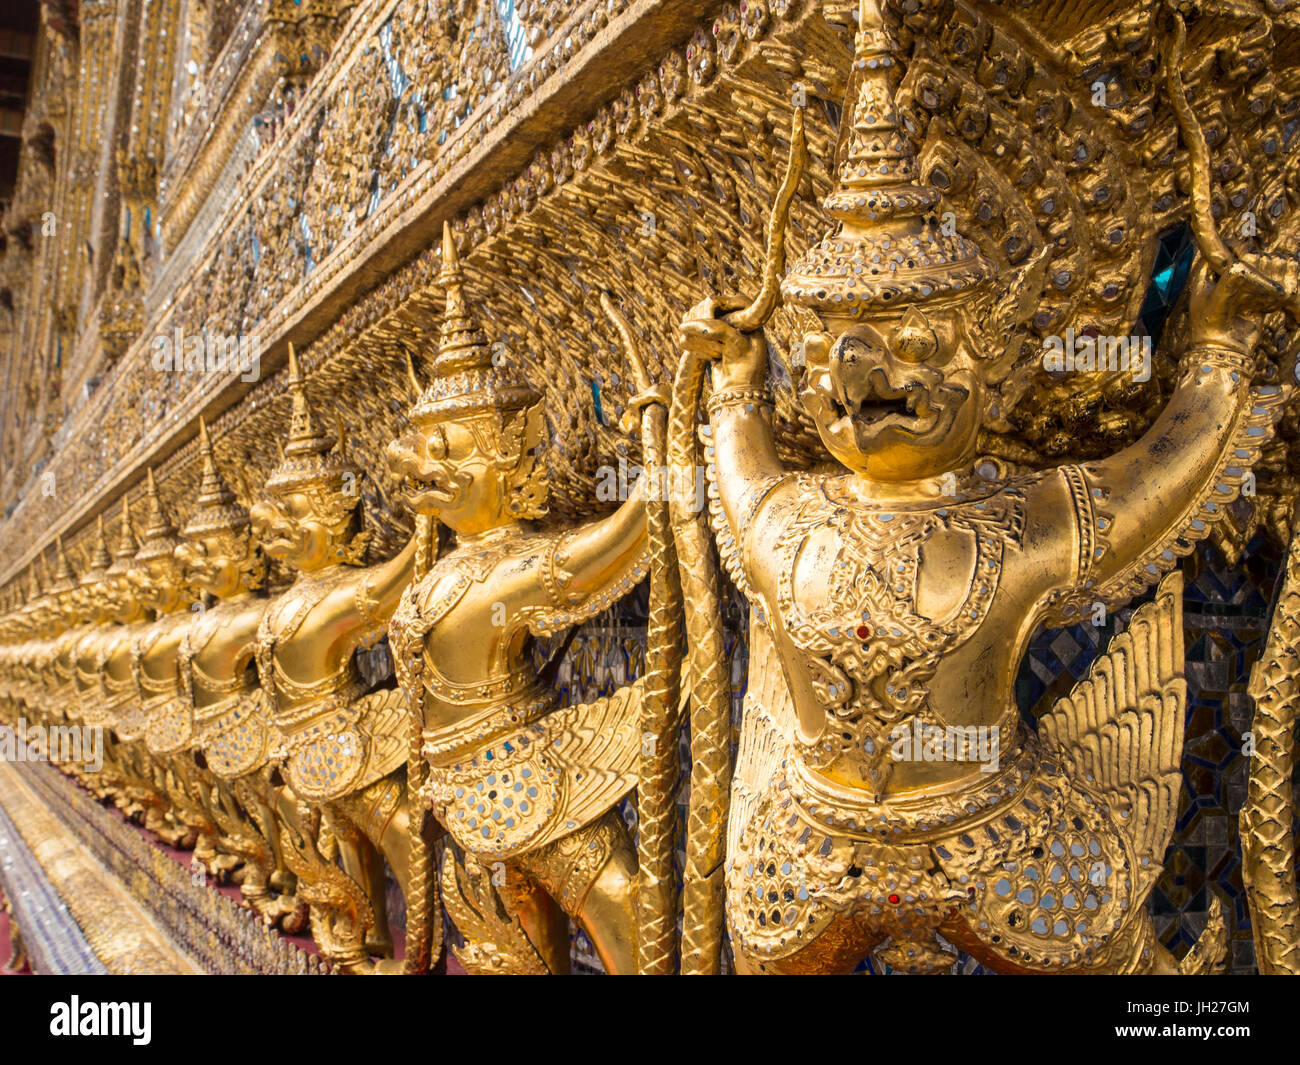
(885, 799)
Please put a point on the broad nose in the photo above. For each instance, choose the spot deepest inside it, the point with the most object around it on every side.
(261, 517)
(851, 361)
(403, 455)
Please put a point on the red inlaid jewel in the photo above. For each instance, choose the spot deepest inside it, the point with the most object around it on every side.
(863, 632)
(893, 899)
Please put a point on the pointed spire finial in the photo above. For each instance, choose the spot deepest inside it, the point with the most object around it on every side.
(64, 567)
(159, 533)
(467, 375)
(127, 544)
(205, 444)
(212, 489)
(304, 437)
(155, 520)
(462, 345)
(217, 509)
(63, 578)
(100, 559)
(891, 249)
(306, 459)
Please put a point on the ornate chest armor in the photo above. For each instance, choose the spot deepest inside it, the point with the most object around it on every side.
(335, 738)
(869, 651)
(150, 698)
(517, 773)
(233, 731)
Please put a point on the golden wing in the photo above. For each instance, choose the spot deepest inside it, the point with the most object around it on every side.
(596, 745)
(495, 942)
(1120, 730)
(384, 722)
(766, 726)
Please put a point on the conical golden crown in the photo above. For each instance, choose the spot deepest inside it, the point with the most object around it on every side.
(34, 587)
(127, 544)
(218, 510)
(463, 344)
(466, 376)
(99, 556)
(310, 459)
(159, 533)
(64, 579)
(304, 437)
(891, 248)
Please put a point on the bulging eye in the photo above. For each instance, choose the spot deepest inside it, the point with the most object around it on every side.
(816, 351)
(916, 343)
(436, 443)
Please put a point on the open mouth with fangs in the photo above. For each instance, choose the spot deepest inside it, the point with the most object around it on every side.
(902, 398)
(866, 408)
(912, 402)
(439, 490)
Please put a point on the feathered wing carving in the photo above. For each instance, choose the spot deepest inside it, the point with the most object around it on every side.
(495, 942)
(1120, 730)
(597, 745)
(383, 716)
(766, 727)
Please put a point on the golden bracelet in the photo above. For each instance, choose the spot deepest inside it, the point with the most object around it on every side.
(731, 397)
(1207, 355)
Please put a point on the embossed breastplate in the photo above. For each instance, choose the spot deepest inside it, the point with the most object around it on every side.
(153, 687)
(117, 687)
(504, 698)
(867, 649)
(281, 621)
(196, 640)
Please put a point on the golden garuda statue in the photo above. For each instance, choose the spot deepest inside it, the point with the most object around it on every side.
(65, 591)
(929, 438)
(99, 603)
(340, 749)
(159, 721)
(526, 789)
(116, 692)
(233, 734)
(886, 792)
(99, 597)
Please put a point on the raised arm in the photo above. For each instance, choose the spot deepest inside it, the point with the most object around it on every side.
(1143, 508)
(1139, 510)
(585, 570)
(744, 454)
(377, 592)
